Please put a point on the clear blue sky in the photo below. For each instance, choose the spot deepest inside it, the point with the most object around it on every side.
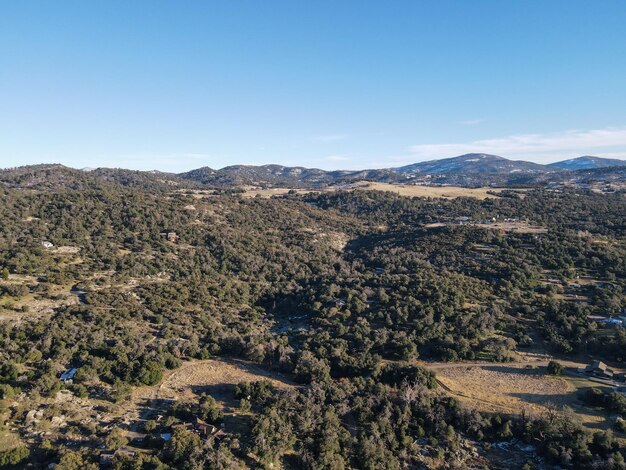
(333, 84)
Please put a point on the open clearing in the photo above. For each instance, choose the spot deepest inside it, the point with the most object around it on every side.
(267, 193)
(410, 190)
(446, 192)
(514, 387)
(216, 377)
(515, 227)
(38, 305)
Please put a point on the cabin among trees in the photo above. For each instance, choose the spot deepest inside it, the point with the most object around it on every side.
(67, 377)
(200, 427)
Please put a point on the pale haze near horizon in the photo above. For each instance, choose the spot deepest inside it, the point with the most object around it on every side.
(334, 85)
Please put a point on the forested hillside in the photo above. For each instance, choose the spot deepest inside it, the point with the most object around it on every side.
(348, 295)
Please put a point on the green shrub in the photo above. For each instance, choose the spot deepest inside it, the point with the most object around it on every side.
(14, 456)
(555, 368)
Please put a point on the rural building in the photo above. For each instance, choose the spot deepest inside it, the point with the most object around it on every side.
(203, 428)
(67, 377)
(200, 427)
(598, 369)
(47, 245)
(171, 236)
(106, 459)
(612, 322)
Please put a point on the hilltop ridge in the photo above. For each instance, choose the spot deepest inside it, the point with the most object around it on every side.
(472, 169)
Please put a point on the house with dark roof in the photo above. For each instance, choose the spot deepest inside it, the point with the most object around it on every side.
(598, 369)
(67, 377)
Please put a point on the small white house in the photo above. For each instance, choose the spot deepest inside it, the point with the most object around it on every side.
(47, 245)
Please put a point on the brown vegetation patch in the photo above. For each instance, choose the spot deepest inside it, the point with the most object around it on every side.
(216, 377)
(508, 386)
(516, 227)
(447, 192)
(512, 388)
(68, 250)
(269, 192)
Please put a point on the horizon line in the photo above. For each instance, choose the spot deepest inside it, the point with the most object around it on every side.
(87, 168)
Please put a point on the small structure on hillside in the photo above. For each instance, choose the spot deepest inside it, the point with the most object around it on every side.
(200, 427)
(203, 428)
(47, 245)
(612, 322)
(106, 459)
(598, 369)
(171, 236)
(67, 377)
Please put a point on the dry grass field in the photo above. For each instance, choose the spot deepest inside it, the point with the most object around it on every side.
(514, 227)
(267, 193)
(216, 377)
(447, 192)
(512, 388)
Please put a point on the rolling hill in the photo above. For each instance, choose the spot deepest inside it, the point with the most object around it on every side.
(473, 169)
(472, 163)
(277, 175)
(588, 163)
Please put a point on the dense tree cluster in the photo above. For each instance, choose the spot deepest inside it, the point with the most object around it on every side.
(342, 290)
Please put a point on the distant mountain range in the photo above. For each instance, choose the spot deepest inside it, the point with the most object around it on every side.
(278, 175)
(472, 163)
(474, 169)
(588, 163)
